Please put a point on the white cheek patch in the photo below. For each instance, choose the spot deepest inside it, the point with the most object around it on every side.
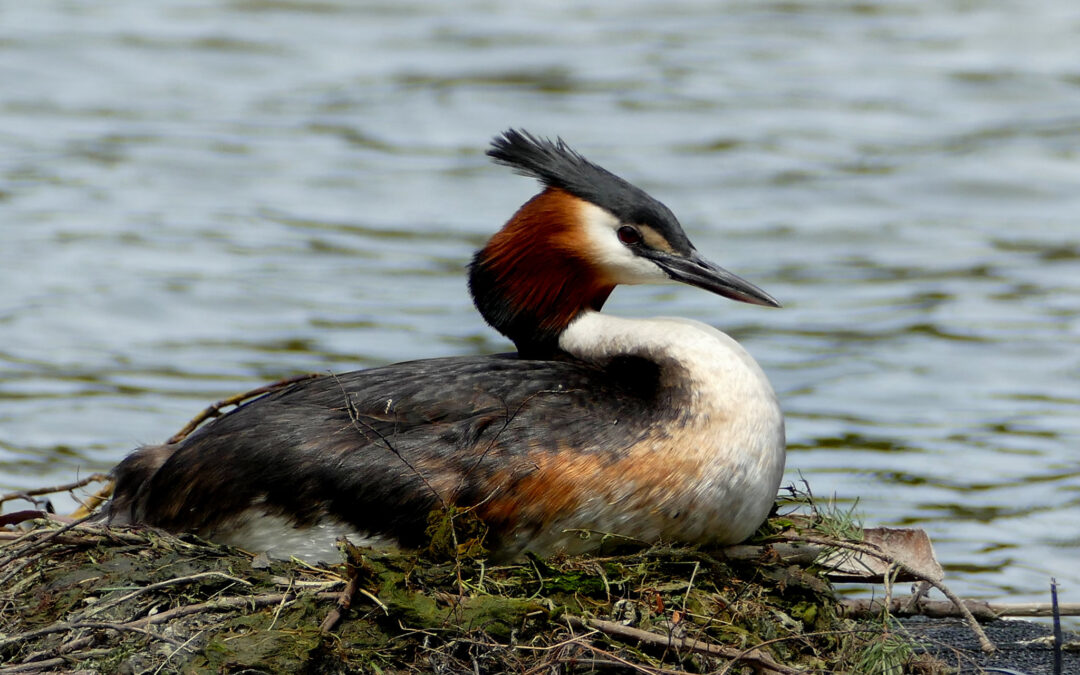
(611, 255)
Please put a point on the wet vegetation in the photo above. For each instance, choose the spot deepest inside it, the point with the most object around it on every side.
(141, 601)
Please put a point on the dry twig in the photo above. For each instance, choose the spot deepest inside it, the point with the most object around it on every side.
(215, 409)
(984, 642)
(758, 659)
(99, 607)
(66, 487)
(983, 611)
(51, 664)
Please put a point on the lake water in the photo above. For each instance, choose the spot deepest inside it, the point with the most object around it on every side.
(198, 198)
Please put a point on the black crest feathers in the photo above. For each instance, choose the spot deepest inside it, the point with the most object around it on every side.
(556, 165)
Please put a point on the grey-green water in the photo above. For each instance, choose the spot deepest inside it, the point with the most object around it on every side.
(196, 198)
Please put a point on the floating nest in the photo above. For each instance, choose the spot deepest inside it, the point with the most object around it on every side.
(81, 596)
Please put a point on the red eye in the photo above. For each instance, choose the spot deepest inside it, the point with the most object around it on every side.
(629, 235)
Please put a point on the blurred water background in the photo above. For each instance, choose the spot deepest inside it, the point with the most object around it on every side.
(199, 197)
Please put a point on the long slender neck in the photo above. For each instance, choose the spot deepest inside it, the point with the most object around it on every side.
(708, 366)
(530, 282)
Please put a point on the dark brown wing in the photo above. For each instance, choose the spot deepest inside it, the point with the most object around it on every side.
(380, 448)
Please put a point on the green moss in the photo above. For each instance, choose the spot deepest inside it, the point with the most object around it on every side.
(277, 650)
(454, 533)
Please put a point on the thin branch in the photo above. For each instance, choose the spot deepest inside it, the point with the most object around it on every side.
(125, 627)
(798, 636)
(17, 517)
(984, 642)
(51, 664)
(983, 611)
(178, 650)
(94, 501)
(25, 551)
(225, 604)
(76, 625)
(281, 606)
(758, 659)
(214, 410)
(161, 584)
(617, 660)
(66, 487)
(219, 605)
(344, 601)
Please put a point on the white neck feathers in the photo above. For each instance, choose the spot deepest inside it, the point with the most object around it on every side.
(709, 362)
(725, 418)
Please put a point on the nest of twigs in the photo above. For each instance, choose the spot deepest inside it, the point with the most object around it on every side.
(145, 601)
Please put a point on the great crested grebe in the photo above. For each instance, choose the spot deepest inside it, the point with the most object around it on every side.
(656, 429)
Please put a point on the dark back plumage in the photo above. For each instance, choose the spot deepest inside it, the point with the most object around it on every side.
(384, 447)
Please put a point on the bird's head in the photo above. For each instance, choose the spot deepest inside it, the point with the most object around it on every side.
(567, 248)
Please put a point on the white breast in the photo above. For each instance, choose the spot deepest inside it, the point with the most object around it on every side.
(731, 425)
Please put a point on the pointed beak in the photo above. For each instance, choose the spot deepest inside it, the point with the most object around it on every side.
(697, 271)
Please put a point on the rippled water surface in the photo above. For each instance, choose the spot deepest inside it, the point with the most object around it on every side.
(197, 198)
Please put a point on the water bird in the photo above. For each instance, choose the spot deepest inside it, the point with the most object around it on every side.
(655, 429)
